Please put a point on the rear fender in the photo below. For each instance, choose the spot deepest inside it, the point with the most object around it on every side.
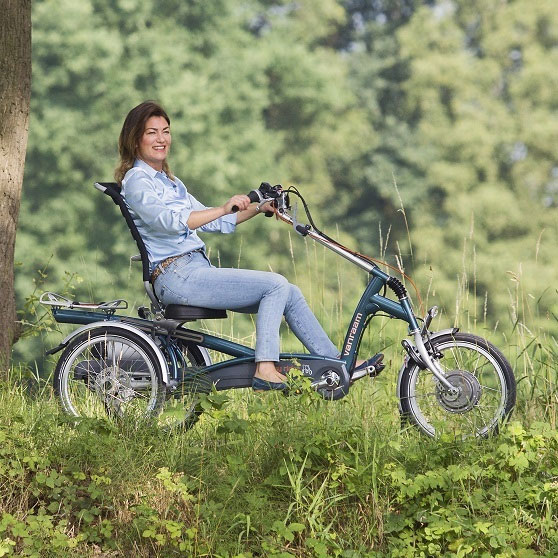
(126, 327)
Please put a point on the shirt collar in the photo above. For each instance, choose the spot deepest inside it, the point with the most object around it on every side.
(147, 168)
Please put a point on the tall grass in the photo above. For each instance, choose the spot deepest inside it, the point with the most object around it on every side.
(265, 475)
(273, 476)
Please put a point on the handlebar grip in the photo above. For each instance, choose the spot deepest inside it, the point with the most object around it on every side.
(254, 197)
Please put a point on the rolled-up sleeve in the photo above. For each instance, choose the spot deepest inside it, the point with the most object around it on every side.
(225, 224)
(143, 200)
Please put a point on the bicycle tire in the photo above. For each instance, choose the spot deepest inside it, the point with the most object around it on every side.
(107, 371)
(486, 380)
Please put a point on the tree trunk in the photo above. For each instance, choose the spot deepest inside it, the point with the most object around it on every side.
(15, 92)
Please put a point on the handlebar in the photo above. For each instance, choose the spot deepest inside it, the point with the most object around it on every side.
(266, 192)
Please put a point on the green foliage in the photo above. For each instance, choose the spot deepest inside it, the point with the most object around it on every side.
(486, 508)
(473, 127)
(303, 477)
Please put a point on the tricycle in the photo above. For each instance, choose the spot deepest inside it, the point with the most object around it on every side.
(153, 367)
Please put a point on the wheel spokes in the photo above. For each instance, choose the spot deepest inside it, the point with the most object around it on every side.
(428, 399)
(110, 374)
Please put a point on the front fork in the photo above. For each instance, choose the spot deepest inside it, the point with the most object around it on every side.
(425, 359)
(431, 364)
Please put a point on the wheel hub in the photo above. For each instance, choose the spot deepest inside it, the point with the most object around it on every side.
(113, 386)
(467, 394)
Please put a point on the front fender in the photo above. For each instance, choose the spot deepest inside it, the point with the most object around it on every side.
(433, 336)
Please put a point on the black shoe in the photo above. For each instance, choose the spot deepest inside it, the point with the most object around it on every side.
(263, 385)
(373, 365)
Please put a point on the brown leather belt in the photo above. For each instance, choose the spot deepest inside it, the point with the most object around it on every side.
(165, 263)
(162, 266)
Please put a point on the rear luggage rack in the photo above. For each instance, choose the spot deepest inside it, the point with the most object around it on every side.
(59, 301)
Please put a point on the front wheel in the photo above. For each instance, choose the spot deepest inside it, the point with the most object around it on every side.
(485, 382)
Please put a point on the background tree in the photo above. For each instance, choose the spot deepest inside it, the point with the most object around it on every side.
(15, 88)
(483, 95)
(453, 101)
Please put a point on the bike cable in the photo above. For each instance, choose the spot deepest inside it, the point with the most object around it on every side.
(294, 190)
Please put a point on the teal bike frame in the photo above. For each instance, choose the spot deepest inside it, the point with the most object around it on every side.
(238, 371)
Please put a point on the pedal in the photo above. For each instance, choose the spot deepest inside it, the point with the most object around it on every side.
(376, 366)
(372, 367)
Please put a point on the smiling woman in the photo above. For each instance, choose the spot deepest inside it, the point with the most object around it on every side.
(145, 135)
(155, 142)
(169, 218)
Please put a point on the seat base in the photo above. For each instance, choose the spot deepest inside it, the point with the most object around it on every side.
(189, 313)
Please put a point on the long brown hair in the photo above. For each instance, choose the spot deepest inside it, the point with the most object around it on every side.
(130, 136)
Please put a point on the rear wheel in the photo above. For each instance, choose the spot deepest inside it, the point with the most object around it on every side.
(485, 382)
(107, 370)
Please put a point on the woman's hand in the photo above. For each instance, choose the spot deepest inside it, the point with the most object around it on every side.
(268, 207)
(240, 201)
(253, 210)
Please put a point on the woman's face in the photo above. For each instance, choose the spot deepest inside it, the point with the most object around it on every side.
(155, 142)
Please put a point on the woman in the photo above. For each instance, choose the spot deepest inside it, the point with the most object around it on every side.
(168, 218)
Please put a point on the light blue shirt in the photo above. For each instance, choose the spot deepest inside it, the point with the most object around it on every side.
(160, 208)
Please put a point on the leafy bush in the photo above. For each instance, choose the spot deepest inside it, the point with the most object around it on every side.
(272, 476)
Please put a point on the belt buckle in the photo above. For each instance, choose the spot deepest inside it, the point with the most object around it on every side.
(158, 270)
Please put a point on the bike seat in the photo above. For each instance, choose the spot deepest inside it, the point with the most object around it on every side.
(190, 313)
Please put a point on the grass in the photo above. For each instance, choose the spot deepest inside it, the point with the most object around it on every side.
(275, 476)
(264, 475)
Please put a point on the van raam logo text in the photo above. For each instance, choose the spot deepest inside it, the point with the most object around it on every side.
(352, 334)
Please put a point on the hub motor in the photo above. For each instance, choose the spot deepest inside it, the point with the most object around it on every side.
(468, 392)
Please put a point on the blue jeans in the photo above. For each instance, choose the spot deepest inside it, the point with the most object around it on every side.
(193, 281)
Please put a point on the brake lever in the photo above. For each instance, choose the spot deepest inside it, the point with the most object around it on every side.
(299, 228)
(273, 203)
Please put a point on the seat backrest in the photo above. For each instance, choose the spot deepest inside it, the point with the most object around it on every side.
(113, 190)
(175, 312)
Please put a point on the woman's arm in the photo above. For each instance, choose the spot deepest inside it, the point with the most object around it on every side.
(254, 210)
(204, 216)
(141, 197)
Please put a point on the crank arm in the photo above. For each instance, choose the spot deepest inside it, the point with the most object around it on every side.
(324, 383)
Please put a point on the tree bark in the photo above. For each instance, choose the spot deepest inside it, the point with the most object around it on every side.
(15, 92)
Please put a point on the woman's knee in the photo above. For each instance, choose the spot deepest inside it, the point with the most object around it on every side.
(295, 295)
(278, 282)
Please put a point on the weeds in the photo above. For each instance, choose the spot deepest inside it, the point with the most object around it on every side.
(272, 476)
(265, 475)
